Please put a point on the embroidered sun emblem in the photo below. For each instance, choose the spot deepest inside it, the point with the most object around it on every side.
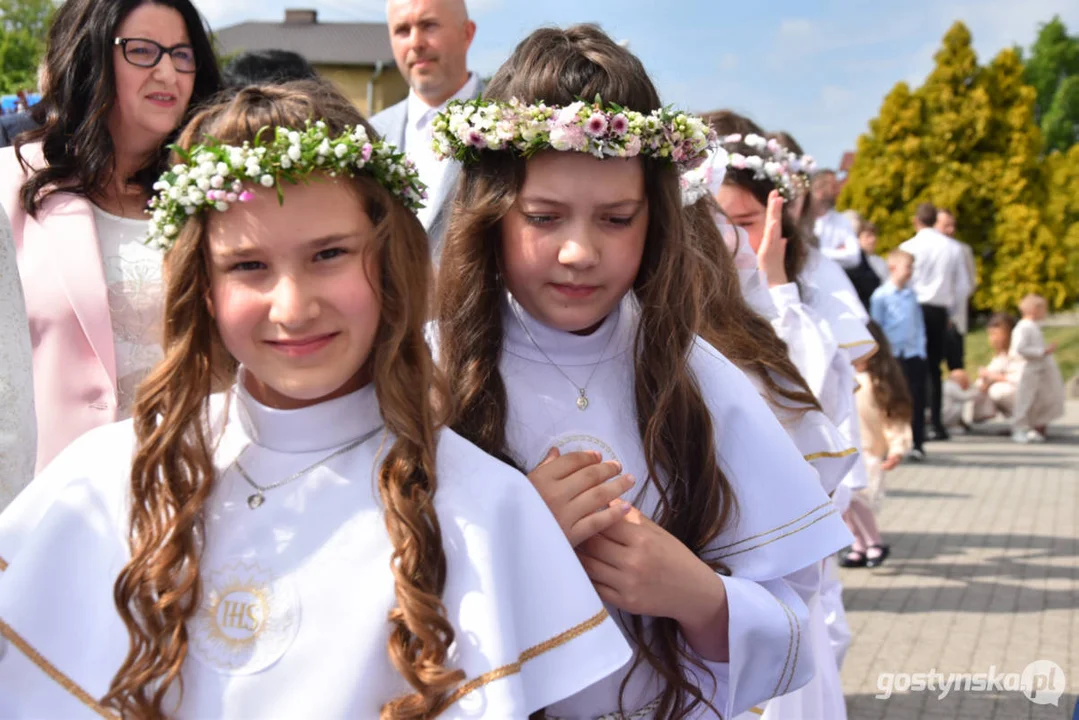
(247, 620)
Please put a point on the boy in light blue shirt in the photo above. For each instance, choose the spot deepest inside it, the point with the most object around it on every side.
(894, 307)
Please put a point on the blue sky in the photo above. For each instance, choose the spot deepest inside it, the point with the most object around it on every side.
(817, 69)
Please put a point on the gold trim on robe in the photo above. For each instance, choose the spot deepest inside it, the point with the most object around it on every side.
(821, 455)
(3, 565)
(515, 667)
(55, 675)
(828, 505)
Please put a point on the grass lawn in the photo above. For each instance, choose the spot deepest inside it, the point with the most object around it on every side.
(1067, 355)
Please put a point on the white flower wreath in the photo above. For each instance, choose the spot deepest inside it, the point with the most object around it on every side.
(465, 129)
(766, 159)
(213, 174)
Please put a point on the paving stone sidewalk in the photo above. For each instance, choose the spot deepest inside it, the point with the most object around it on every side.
(984, 575)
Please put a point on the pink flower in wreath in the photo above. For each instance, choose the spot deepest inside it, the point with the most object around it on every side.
(475, 139)
(596, 125)
(619, 124)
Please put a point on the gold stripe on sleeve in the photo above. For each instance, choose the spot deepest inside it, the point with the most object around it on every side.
(773, 530)
(757, 711)
(787, 613)
(821, 455)
(3, 565)
(848, 346)
(49, 669)
(515, 667)
(780, 537)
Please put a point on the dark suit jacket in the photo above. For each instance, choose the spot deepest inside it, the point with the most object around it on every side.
(390, 124)
(12, 125)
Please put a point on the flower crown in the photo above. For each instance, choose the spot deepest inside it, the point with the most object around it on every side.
(213, 175)
(786, 170)
(465, 128)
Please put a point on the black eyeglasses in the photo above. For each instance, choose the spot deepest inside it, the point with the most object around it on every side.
(147, 53)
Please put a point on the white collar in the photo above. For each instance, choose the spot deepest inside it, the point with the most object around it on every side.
(419, 111)
(319, 427)
(614, 336)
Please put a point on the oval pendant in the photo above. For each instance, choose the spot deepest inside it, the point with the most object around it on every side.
(255, 501)
(582, 403)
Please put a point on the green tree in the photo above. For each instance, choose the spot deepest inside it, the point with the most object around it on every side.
(1053, 71)
(23, 27)
(966, 140)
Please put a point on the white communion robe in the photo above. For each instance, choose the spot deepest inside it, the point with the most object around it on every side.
(785, 521)
(293, 618)
(828, 451)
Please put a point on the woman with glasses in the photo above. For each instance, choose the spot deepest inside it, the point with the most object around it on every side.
(123, 75)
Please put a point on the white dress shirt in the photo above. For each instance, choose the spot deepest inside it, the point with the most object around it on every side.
(940, 269)
(838, 240)
(418, 144)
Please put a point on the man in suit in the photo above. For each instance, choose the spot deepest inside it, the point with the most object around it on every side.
(430, 40)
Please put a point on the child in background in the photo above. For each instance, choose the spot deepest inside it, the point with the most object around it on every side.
(894, 307)
(998, 382)
(867, 238)
(1040, 396)
(884, 409)
(958, 394)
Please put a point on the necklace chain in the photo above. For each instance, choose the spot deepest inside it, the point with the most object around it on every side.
(582, 391)
(256, 500)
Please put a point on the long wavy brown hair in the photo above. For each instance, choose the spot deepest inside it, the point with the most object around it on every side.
(676, 429)
(726, 122)
(173, 474)
(731, 326)
(890, 389)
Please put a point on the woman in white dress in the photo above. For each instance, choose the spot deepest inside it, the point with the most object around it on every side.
(18, 428)
(307, 543)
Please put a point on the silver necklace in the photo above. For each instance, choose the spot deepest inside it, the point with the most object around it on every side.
(582, 392)
(256, 500)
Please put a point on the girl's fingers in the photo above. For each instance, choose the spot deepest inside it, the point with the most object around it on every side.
(587, 478)
(566, 465)
(601, 495)
(599, 572)
(594, 523)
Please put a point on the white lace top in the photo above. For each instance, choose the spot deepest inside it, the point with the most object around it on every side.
(136, 295)
(18, 426)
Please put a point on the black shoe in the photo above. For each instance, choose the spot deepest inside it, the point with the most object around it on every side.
(853, 559)
(872, 562)
(938, 434)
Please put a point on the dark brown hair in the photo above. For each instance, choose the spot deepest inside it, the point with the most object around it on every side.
(890, 389)
(726, 122)
(173, 473)
(696, 501)
(1001, 320)
(731, 326)
(926, 214)
(81, 91)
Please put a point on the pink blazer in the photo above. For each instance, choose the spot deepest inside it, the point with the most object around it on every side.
(63, 279)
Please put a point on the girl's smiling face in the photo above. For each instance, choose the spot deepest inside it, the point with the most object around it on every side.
(294, 291)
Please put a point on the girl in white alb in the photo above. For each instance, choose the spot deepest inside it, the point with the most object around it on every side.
(823, 333)
(306, 543)
(568, 311)
(766, 361)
